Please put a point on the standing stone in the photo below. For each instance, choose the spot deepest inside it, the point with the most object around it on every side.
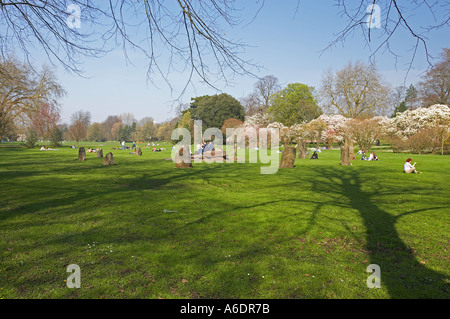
(288, 157)
(100, 153)
(138, 151)
(183, 158)
(351, 151)
(302, 150)
(345, 151)
(81, 154)
(108, 159)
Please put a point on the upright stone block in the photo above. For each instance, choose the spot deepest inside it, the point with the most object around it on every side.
(81, 154)
(183, 158)
(108, 159)
(288, 157)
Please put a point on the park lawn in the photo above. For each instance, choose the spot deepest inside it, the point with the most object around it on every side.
(144, 229)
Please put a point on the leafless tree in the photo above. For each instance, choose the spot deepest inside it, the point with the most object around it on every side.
(23, 91)
(265, 88)
(355, 91)
(127, 118)
(259, 100)
(435, 86)
(189, 33)
(379, 21)
(251, 104)
(80, 121)
(107, 126)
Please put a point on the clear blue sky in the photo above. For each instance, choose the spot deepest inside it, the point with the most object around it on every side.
(286, 43)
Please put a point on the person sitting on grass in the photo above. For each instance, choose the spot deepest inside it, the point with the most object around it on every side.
(373, 157)
(364, 157)
(408, 168)
(315, 156)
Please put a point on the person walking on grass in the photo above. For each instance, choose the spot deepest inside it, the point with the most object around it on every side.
(410, 168)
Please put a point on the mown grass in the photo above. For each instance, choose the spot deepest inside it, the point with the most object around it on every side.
(144, 229)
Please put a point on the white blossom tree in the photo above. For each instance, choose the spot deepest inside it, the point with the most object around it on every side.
(411, 122)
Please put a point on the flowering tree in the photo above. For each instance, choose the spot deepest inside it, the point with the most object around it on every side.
(286, 134)
(367, 131)
(411, 122)
(338, 130)
(257, 120)
(336, 127)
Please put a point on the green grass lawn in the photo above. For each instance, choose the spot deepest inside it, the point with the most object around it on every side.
(145, 229)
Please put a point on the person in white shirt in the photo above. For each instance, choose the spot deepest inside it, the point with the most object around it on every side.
(410, 168)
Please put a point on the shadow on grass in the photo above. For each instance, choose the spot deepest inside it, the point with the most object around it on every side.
(401, 273)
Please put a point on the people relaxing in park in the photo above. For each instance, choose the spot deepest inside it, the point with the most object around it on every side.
(315, 156)
(373, 157)
(208, 147)
(364, 156)
(48, 149)
(199, 150)
(410, 168)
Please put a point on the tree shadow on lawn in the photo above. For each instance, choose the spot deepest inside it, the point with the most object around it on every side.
(401, 273)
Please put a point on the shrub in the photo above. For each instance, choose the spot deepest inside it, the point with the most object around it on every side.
(56, 137)
(425, 141)
(31, 139)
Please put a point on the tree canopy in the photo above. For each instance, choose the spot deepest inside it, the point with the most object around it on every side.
(294, 104)
(355, 91)
(214, 110)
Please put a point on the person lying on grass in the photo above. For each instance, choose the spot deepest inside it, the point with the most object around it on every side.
(410, 168)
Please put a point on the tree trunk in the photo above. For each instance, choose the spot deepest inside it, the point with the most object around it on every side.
(345, 151)
(351, 150)
(302, 149)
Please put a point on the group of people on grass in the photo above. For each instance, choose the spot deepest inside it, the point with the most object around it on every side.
(48, 149)
(407, 167)
(371, 157)
(204, 147)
